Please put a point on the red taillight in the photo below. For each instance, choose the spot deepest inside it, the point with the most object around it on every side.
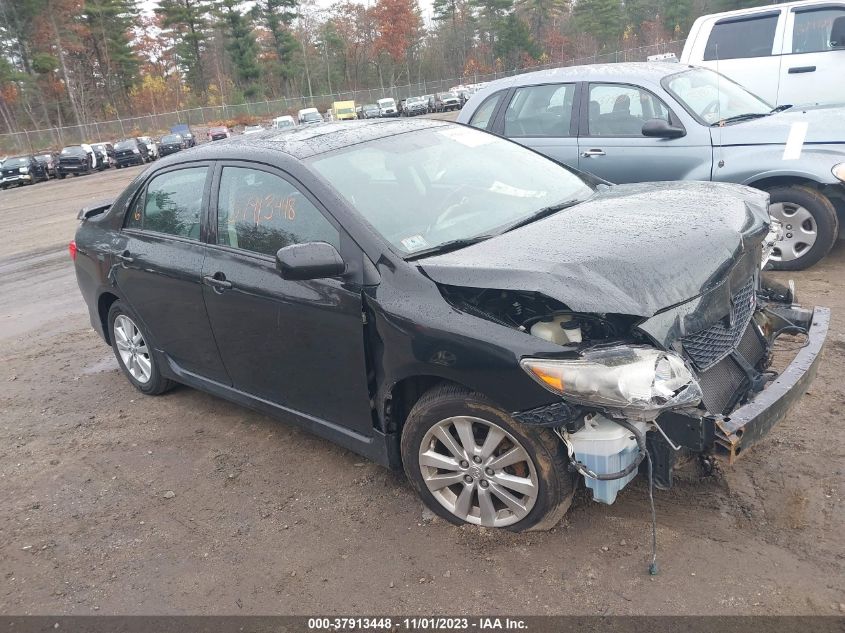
(72, 250)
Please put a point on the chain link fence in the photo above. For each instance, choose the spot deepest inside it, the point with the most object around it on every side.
(156, 124)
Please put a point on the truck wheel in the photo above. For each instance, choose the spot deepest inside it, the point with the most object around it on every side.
(471, 462)
(136, 357)
(810, 226)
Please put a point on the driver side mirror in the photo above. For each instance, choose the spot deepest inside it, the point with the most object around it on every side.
(309, 260)
(658, 128)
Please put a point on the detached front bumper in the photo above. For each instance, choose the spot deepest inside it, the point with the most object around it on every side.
(751, 422)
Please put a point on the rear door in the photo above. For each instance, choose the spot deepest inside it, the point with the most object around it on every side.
(612, 146)
(544, 118)
(813, 66)
(747, 48)
(298, 344)
(158, 264)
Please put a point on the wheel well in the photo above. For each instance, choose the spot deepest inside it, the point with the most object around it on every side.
(403, 396)
(103, 306)
(782, 181)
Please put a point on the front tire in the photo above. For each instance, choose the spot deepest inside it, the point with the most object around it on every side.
(134, 352)
(810, 226)
(471, 462)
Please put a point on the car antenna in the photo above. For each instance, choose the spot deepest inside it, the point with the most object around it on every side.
(721, 162)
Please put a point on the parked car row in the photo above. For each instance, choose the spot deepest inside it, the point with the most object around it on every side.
(85, 158)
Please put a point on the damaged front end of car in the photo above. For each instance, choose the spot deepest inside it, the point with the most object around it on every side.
(704, 377)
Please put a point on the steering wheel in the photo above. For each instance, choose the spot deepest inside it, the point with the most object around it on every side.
(711, 108)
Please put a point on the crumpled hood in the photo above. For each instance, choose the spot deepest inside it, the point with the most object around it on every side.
(825, 125)
(630, 249)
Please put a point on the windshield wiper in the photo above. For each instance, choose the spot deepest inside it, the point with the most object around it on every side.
(748, 116)
(781, 108)
(451, 245)
(542, 213)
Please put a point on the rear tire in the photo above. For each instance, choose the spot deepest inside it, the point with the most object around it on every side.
(134, 351)
(810, 226)
(501, 474)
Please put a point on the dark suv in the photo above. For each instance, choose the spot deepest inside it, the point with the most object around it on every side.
(130, 151)
(22, 170)
(76, 160)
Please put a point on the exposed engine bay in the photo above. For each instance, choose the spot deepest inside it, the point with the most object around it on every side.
(625, 400)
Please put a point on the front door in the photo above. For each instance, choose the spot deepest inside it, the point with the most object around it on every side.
(611, 144)
(157, 264)
(297, 344)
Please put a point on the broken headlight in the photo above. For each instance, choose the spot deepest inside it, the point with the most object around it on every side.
(639, 378)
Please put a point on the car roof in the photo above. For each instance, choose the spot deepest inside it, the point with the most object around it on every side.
(652, 72)
(303, 142)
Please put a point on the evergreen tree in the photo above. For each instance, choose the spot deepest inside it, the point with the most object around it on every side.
(188, 21)
(277, 16)
(241, 46)
(109, 23)
(514, 42)
(603, 19)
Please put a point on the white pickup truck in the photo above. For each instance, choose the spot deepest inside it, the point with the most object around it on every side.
(791, 53)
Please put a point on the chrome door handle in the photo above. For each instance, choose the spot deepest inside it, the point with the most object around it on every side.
(593, 152)
(124, 257)
(217, 283)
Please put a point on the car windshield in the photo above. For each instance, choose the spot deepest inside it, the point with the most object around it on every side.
(312, 116)
(385, 102)
(448, 95)
(711, 97)
(171, 138)
(455, 183)
(125, 145)
(73, 149)
(16, 162)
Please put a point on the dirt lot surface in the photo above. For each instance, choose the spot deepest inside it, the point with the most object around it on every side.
(267, 519)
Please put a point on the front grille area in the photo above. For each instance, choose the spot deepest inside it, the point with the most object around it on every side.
(724, 384)
(706, 348)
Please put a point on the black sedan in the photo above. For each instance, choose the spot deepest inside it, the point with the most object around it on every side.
(131, 151)
(170, 144)
(440, 299)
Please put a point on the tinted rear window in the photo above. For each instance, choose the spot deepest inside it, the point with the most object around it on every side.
(739, 39)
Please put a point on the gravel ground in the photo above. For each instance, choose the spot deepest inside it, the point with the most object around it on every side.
(113, 502)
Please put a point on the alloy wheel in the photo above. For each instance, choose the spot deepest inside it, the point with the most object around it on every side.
(478, 471)
(799, 231)
(132, 349)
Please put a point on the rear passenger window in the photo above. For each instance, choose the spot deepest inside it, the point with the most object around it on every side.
(617, 110)
(540, 111)
(482, 116)
(738, 39)
(813, 31)
(260, 212)
(171, 204)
